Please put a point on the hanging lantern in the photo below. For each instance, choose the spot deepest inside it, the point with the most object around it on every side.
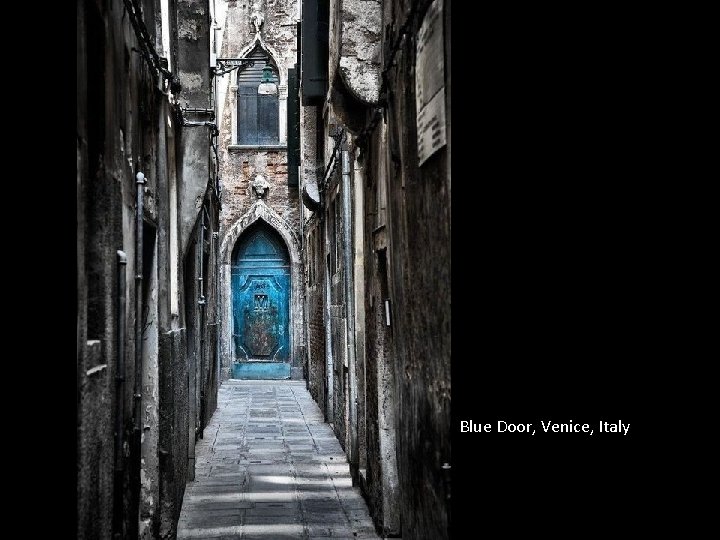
(267, 85)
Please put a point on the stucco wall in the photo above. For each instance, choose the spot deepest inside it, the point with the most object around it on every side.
(127, 125)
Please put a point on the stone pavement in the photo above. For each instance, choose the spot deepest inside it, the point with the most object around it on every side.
(269, 468)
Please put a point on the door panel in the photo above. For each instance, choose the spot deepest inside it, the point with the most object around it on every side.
(261, 311)
(261, 302)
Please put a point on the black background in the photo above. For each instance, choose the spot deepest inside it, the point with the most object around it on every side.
(561, 263)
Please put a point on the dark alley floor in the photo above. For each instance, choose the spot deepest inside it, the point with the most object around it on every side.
(268, 467)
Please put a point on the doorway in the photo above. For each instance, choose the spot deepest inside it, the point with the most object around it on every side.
(260, 282)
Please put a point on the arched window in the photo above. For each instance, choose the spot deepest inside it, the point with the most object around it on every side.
(258, 118)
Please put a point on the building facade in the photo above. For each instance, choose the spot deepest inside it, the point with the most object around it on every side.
(375, 92)
(147, 260)
(261, 270)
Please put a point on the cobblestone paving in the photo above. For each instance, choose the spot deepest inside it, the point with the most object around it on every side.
(268, 467)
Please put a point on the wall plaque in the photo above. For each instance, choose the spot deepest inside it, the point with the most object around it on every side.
(430, 83)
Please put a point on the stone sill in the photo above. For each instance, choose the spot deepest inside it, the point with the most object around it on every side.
(260, 147)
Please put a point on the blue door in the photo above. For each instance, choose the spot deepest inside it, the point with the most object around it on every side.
(261, 305)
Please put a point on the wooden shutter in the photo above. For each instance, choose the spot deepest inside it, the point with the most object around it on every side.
(293, 127)
(247, 117)
(267, 119)
(315, 51)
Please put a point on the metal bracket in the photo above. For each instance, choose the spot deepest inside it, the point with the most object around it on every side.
(183, 112)
(226, 65)
(197, 110)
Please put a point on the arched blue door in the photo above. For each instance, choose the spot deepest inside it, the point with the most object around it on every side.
(261, 304)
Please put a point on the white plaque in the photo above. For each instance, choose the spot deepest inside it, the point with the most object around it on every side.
(430, 83)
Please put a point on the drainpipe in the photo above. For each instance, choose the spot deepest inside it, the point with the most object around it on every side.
(201, 326)
(119, 396)
(303, 257)
(350, 308)
(201, 300)
(216, 240)
(329, 376)
(137, 394)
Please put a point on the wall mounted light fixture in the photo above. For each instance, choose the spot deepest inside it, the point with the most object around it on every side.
(267, 85)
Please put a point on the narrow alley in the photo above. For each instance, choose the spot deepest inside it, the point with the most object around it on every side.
(270, 468)
(263, 269)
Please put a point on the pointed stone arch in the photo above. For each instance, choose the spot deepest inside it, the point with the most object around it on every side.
(261, 211)
(282, 74)
(258, 42)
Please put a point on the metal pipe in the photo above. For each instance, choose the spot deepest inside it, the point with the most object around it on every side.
(216, 183)
(119, 395)
(350, 308)
(137, 394)
(216, 239)
(330, 411)
(201, 299)
(201, 325)
(306, 341)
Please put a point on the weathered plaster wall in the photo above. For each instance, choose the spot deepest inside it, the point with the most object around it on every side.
(406, 240)
(116, 136)
(126, 125)
(381, 482)
(193, 70)
(418, 235)
(355, 57)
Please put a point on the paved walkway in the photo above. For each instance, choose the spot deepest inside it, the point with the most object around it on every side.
(269, 468)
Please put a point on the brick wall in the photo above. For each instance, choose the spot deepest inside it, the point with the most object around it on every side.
(239, 168)
(315, 312)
